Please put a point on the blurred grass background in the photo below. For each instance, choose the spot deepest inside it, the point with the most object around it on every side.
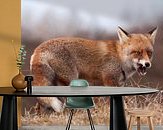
(100, 113)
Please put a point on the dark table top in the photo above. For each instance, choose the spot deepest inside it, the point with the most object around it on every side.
(65, 91)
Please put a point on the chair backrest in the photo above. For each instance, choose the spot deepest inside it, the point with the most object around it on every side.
(79, 83)
(79, 102)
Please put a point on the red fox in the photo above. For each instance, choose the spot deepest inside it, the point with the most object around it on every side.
(106, 63)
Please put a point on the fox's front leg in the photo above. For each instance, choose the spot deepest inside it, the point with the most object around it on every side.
(110, 81)
(111, 73)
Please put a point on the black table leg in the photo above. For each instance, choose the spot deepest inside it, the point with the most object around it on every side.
(117, 114)
(9, 113)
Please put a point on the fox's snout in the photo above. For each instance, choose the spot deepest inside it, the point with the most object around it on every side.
(142, 66)
(148, 65)
(143, 63)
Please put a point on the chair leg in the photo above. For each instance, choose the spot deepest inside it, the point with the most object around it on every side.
(150, 123)
(138, 123)
(70, 119)
(130, 123)
(90, 120)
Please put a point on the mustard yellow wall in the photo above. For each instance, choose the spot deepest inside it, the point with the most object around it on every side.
(10, 29)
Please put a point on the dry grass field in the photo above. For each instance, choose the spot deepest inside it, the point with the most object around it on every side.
(100, 113)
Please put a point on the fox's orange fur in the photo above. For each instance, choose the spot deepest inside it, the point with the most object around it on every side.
(108, 63)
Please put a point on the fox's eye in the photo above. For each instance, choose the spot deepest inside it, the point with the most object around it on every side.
(136, 52)
(149, 53)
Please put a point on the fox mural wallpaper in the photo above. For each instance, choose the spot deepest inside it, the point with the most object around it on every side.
(105, 42)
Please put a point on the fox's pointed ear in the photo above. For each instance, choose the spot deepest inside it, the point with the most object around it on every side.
(122, 34)
(152, 34)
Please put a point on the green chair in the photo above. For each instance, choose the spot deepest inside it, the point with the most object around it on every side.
(79, 102)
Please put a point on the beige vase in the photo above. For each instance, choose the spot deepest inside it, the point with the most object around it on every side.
(18, 82)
